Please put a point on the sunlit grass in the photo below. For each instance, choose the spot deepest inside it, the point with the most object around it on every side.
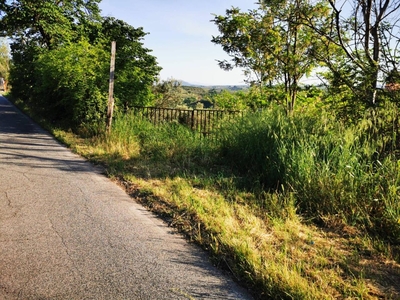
(252, 196)
(276, 257)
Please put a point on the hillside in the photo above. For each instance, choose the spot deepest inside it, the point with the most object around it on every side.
(189, 85)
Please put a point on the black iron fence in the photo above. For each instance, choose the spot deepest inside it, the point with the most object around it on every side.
(204, 121)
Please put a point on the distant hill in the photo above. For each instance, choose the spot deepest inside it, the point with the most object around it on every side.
(216, 87)
(185, 83)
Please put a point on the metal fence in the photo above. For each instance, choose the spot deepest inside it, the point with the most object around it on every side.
(203, 121)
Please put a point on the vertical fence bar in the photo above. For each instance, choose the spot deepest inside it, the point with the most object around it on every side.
(192, 125)
(205, 122)
(156, 113)
(202, 120)
(206, 116)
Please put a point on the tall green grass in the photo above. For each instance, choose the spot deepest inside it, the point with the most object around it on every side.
(174, 146)
(333, 170)
(244, 193)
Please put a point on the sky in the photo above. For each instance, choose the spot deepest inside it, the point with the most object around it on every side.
(179, 34)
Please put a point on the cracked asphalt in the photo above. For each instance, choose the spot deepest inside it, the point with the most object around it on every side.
(68, 232)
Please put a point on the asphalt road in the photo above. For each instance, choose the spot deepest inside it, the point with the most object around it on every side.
(67, 232)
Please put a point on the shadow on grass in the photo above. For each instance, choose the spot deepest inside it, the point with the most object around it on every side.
(381, 275)
(210, 173)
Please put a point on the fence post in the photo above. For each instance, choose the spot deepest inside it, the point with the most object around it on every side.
(110, 107)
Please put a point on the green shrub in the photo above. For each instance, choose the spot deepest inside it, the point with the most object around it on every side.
(71, 86)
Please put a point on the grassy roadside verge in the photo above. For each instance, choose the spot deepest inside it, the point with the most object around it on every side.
(261, 238)
(272, 250)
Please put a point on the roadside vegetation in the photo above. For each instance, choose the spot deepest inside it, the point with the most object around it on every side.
(296, 198)
(301, 207)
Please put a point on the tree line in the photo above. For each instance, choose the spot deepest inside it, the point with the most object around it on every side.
(60, 55)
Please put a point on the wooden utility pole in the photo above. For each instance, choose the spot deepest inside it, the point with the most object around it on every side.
(110, 107)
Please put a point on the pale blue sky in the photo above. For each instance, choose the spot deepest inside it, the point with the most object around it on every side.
(180, 35)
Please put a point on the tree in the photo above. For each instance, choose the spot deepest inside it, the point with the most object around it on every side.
(367, 34)
(72, 88)
(168, 93)
(228, 100)
(247, 37)
(271, 42)
(58, 49)
(135, 68)
(39, 26)
(4, 59)
(47, 23)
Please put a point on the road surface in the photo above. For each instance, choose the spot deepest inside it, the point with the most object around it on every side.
(68, 232)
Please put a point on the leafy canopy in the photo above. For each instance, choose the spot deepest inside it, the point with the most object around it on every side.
(271, 43)
(4, 59)
(60, 52)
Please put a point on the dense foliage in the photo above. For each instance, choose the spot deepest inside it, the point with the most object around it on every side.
(136, 68)
(270, 43)
(283, 41)
(333, 170)
(60, 53)
(4, 59)
(70, 84)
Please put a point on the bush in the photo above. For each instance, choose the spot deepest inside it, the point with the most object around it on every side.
(72, 84)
